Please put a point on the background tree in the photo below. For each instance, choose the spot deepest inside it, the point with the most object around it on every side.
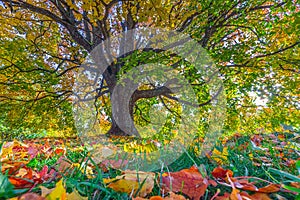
(254, 44)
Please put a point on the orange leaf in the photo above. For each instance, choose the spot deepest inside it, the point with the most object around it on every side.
(250, 187)
(220, 173)
(60, 150)
(172, 196)
(270, 188)
(22, 178)
(156, 198)
(260, 196)
(226, 196)
(237, 195)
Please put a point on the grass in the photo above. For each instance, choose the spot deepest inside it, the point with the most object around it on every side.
(266, 161)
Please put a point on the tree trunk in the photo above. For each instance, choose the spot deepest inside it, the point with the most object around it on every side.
(116, 130)
(122, 116)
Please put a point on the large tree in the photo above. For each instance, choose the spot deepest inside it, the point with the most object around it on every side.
(253, 43)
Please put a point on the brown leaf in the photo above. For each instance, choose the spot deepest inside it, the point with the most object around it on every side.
(115, 164)
(270, 188)
(260, 196)
(31, 196)
(63, 164)
(250, 187)
(220, 173)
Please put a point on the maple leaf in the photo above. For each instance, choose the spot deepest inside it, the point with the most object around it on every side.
(188, 181)
(130, 182)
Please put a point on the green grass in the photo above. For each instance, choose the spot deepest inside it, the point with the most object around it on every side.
(241, 160)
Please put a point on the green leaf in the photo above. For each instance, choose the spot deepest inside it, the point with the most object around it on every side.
(6, 188)
(285, 174)
(291, 188)
(298, 166)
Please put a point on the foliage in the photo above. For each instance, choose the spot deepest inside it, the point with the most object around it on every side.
(253, 43)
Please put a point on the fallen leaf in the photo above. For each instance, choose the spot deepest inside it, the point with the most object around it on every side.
(115, 164)
(270, 188)
(23, 178)
(172, 196)
(31, 196)
(45, 191)
(130, 182)
(188, 181)
(60, 150)
(32, 152)
(220, 157)
(85, 169)
(75, 196)
(220, 173)
(59, 192)
(63, 164)
(260, 196)
(44, 175)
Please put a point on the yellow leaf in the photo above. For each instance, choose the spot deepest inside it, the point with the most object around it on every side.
(88, 171)
(220, 157)
(75, 196)
(59, 192)
(131, 181)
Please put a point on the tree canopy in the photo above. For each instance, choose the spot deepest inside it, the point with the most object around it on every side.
(253, 43)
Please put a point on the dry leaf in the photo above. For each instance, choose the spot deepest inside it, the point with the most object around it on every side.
(59, 192)
(130, 182)
(220, 157)
(260, 196)
(220, 173)
(172, 196)
(31, 196)
(75, 196)
(45, 191)
(187, 181)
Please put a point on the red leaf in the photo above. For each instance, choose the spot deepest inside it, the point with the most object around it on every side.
(43, 175)
(187, 181)
(32, 152)
(22, 178)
